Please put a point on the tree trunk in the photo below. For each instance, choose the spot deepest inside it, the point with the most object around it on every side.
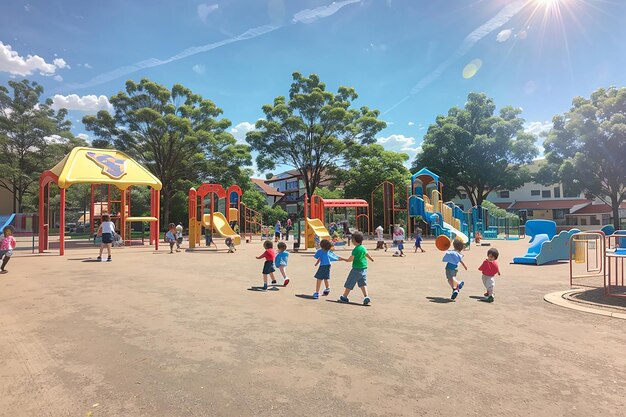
(14, 198)
(615, 207)
(165, 216)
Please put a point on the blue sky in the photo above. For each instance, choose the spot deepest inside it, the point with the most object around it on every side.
(411, 59)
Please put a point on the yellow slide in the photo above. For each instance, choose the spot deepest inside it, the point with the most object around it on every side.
(315, 227)
(221, 226)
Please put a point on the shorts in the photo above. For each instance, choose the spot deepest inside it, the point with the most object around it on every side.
(7, 253)
(107, 238)
(400, 247)
(356, 276)
(282, 263)
(451, 273)
(418, 245)
(268, 267)
(179, 240)
(276, 234)
(323, 272)
(489, 282)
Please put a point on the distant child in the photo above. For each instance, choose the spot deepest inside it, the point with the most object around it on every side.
(453, 258)
(358, 274)
(179, 235)
(106, 231)
(170, 237)
(277, 231)
(7, 244)
(208, 237)
(268, 266)
(281, 261)
(324, 257)
(489, 268)
(418, 243)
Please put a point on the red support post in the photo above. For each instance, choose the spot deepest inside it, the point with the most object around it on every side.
(62, 224)
(42, 207)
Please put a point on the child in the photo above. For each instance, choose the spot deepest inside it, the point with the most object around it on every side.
(106, 231)
(208, 237)
(282, 258)
(179, 236)
(6, 246)
(401, 246)
(277, 231)
(418, 243)
(489, 268)
(324, 257)
(268, 266)
(358, 274)
(453, 259)
(170, 237)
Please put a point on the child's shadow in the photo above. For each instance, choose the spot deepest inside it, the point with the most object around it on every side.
(351, 303)
(439, 300)
(305, 296)
(260, 289)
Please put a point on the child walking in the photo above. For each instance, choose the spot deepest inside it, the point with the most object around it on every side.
(268, 266)
(453, 258)
(170, 237)
(358, 274)
(324, 257)
(6, 246)
(179, 236)
(418, 243)
(106, 231)
(490, 268)
(281, 261)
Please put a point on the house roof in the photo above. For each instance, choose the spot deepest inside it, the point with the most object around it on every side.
(547, 204)
(266, 188)
(589, 209)
(504, 205)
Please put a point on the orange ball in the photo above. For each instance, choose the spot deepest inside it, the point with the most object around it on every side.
(443, 243)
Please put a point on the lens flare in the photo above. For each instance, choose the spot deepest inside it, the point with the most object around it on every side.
(472, 68)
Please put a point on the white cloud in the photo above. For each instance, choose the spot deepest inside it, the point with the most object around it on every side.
(411, 124)
(504, 35)
(54, 139)
(83, 136)
(311, 15)
(400, 143)
(239, 131)
(199, 69)
(58, 78)
(87, 104)
(13, 63)
(537, 128)
(204, 10)
(86, 65)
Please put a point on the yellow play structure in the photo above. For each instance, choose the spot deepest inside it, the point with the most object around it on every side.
(215, 221)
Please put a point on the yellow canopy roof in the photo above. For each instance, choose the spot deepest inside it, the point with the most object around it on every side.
(102, 166)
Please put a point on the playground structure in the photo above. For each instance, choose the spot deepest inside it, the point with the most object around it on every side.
(251, 222)
(110, 168)
(214, 221)
(596, 255)
(545, 245)
(314, 213)
(389, 206)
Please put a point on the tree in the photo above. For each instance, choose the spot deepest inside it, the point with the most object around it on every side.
(273, 214)
(253, 199)
(586, 148)
(328, 193)
(476, 150)
(313, 130)
(174, 133)
(32, 138)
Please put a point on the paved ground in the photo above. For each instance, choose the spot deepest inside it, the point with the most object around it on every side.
(181, 335)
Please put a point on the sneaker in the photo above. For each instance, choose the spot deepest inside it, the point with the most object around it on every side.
(286, 282)
(99, 258)
(343, 299)
(264, 287)
(326, 291)
(455, 294)
(366, 301)
(316, 295)
(109, 259)
(489, 299)
(461, 284)
(274, 281)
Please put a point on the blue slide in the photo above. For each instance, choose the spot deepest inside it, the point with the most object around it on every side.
(545, 245)
(5, 220)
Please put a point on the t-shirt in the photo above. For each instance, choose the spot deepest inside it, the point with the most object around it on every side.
(169, 236)
(325, 257)
(179, 230)
(359, 261)
(489, 268)
(269, 255)
(452, 258)
(282, 258)
(108, 227)
(418, 239)
(7, 243)
(277, 228)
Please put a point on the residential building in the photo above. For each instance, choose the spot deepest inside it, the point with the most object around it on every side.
(291, 184)
(272, 195)
(593, 214)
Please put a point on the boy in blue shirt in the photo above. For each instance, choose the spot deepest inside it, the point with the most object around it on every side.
(453, 258)
(281, 261)
(418, 242)
(324, 257)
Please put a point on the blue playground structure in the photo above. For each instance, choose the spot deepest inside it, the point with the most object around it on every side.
(545, 245)
(5, 220)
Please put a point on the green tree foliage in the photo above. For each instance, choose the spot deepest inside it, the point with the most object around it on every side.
(175, 133)
(478, 151)
(254, 199)
(586, 148)
(273, 214)
(329, 193)
(313, 130)
(33, 137)
(497, 211)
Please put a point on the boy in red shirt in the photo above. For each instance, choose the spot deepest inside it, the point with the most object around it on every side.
(268, 266)
(489, 268)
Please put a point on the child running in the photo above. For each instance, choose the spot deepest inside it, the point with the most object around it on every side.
(170, 237)
(281, 261)
(324, 257)
(106, 231)
(6, 247)
(358, 274)
(418, 242)
(268, 266)
(490, 268)
(453, 258)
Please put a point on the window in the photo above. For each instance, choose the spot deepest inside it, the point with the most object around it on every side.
(559, 214)
(546, 194)
(583, 221)
(570, 194)
(504, 194)
(535, 193)
(557, 192)
(529, 213)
